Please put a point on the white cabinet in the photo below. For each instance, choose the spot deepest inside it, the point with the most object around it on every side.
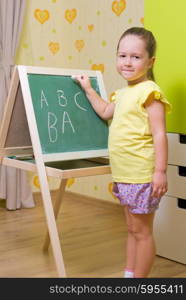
(170, 219)
(177, 149)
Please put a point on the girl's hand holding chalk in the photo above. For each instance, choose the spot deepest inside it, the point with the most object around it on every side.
(83, 80)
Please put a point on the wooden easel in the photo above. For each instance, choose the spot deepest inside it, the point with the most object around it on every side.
(28, 143)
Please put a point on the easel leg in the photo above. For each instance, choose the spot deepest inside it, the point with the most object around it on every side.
(51, 222)
(57, 206)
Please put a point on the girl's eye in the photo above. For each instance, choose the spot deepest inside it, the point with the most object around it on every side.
(137, 57)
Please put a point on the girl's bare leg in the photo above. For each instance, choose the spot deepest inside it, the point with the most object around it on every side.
(131, 243)
(140, 245)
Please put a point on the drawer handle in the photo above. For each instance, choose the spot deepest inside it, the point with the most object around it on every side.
(182, 138)
(182, 203)
(182, 171)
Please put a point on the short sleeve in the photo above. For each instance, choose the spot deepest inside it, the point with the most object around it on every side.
(152, 91)
(114, 97)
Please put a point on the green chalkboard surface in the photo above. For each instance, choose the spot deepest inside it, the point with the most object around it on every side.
(65, 119)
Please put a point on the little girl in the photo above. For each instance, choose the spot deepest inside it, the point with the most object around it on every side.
(137, 143)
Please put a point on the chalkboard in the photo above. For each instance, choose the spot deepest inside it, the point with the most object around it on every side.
(66, 122)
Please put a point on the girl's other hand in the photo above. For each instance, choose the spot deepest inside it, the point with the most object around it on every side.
(159, 184)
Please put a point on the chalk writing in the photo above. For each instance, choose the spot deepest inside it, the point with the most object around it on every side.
(65, 117)
(75, 99)
(43, 99)
(61, 97)
(65, 120)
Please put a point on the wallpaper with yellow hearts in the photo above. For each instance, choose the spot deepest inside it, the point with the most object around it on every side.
(78, 34)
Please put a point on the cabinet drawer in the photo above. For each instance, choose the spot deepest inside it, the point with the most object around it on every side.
(177, 149)
(176, 176)
(169, 229)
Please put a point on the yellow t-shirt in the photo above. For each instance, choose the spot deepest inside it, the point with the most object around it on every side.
(131, 149)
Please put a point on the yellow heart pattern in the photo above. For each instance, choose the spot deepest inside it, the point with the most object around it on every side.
(79, 44)
(70, 182)
(118, 7)
(36, 182)
(70, 15)
(41, 15)
(54, 47)
(142, 20)
(110, 187)
(90, 27)
(103, 43)
(99, 67)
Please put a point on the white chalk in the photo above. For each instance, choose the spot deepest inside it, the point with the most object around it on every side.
(74, 78)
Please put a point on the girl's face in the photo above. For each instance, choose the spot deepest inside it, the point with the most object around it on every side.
(133, 60)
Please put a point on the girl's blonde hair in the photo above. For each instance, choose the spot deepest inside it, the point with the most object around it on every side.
(149, 40)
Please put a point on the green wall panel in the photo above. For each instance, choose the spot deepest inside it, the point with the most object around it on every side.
(167, 20)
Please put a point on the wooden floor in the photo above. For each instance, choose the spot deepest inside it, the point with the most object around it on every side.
(92, 234)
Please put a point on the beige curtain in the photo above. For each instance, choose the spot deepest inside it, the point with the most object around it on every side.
(13, 183)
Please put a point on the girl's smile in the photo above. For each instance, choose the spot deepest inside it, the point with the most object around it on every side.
(133, 61)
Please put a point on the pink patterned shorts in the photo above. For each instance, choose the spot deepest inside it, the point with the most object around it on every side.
(137, 197)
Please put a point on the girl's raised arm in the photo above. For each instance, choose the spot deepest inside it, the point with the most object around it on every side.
(104, 109)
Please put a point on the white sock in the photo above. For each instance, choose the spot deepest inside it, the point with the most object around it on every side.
(128, 274)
